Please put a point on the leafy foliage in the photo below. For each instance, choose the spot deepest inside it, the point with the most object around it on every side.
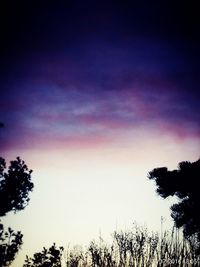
(47, 258)
(183, 183)
(10, 243)
(15, 185)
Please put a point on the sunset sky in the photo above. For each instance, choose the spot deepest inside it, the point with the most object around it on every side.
(94, 95)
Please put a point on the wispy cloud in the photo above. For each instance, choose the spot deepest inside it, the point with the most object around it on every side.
(97, 91)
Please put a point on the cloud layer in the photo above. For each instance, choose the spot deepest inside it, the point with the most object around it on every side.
(83, 82)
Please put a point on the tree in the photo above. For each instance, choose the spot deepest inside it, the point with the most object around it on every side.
(10, 243)
(47, 258)
(15, 185)
(184, 184)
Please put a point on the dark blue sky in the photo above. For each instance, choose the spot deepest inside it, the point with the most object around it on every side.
(119, 63)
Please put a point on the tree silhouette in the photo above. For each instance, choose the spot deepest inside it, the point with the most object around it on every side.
(183, 183)
(10, 243)
(15, 185)
(47, 258)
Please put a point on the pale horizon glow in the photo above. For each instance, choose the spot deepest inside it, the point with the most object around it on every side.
(83, 192)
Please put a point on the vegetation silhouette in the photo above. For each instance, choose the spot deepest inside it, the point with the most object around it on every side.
(184, 184)
(136, 247)
(15, 185)
(10, 243)
(47, 258)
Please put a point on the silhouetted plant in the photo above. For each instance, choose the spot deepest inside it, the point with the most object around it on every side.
(51, 257)
(9, 246)
(133, 248)
(101, 255)
(15, 184)
(183, 183)
(136, 248)
(76, 258)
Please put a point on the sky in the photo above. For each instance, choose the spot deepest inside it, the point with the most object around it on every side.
(94, 95)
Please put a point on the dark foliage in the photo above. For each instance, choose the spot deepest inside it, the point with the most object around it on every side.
(136, 247)
(15, 184)
(47, 258)
(183, 183)
(10, 243)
